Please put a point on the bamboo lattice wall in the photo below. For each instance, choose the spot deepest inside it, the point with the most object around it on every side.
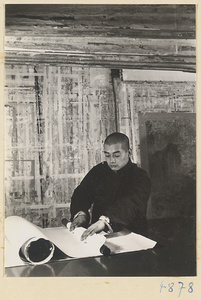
(57, 119)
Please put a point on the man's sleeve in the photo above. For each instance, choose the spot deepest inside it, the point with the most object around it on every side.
(131, 203)
(82, 197)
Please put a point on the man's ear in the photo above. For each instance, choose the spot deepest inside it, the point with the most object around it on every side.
(129, 151)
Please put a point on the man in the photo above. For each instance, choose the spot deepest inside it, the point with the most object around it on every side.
(117, 189)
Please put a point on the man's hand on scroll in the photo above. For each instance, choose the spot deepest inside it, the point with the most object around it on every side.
(94, 228)
(78, 222)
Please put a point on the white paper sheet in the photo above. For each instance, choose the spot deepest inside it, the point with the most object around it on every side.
(129, 242)
(70, 243)
(19, 231)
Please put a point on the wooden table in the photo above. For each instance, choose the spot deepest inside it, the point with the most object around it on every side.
(174, 255)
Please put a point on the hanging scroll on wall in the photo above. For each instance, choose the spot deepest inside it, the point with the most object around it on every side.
(168, 152)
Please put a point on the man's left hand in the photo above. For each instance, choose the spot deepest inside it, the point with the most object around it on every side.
(94, 228)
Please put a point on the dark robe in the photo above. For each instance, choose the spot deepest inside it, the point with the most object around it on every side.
(122, 196)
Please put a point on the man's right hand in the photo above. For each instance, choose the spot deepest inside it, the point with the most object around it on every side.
(78, 222)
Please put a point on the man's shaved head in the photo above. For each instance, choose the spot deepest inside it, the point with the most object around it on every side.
(118, 138)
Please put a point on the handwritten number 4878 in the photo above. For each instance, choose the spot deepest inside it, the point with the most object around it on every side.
(171, 287)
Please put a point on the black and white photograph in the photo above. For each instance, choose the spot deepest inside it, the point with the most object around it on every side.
(100, 142)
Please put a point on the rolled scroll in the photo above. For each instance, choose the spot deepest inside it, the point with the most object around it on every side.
(28, 243)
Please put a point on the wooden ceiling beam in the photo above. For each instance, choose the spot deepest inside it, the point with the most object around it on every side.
(186, 63)
(136, 21)
(115, 36)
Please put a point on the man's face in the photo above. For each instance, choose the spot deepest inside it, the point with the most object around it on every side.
(115, 156)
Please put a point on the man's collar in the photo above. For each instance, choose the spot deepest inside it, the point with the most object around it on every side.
(125, 168)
